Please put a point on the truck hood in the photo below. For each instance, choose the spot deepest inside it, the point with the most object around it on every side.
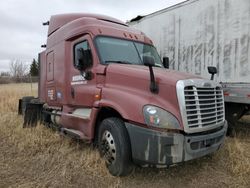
(139, 72)
(127, 90)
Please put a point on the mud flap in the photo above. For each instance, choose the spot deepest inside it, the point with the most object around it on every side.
(32, 114)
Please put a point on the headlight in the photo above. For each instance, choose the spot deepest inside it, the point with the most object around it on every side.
(160, 118)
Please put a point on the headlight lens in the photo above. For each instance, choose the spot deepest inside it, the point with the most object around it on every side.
(160, 118)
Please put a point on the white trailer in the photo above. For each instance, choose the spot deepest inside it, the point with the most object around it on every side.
(200, 33)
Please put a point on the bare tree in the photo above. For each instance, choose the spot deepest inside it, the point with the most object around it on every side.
(5, 74)
(18, 69)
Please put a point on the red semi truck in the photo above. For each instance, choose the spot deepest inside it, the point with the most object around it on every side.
(104, 82)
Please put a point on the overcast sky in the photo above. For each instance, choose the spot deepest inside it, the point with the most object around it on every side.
(22, 33)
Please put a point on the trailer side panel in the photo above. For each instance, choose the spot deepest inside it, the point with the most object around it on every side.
(200, 33)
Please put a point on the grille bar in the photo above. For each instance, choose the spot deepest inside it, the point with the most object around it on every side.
(207, 123)
(205, 113)
(212, 95)
(203, 119)
(205, 104)
(211, 108)
(190, 100)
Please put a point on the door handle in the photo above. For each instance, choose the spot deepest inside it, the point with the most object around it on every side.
(72, 92)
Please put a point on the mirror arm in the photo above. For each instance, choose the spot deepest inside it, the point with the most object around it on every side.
(212, 77)
(153, 85)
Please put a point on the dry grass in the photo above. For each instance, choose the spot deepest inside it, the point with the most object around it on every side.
(39, 157)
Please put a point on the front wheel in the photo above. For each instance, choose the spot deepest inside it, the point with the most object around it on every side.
(114, 146)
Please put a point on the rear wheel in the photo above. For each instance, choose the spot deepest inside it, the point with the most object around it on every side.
(114, 146)
(233, 112)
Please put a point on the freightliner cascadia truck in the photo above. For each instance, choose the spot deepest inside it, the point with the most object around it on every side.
(200, 33)
(104, 83)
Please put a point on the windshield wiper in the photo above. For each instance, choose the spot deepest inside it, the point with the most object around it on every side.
(120, 62)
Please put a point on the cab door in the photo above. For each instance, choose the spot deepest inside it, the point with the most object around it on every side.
(82, 89)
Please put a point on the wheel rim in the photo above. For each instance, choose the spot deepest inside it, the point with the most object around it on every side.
(108, 147)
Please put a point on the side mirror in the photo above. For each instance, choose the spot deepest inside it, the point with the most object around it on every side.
(148, 61)
(212, 71)
(79, 59)
(165, 62)
(83, 59)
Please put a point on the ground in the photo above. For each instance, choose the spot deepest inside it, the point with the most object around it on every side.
(39, 157)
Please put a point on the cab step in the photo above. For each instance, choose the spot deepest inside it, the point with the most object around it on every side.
(73, 134)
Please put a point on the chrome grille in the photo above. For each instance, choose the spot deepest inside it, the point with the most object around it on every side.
(204, 106)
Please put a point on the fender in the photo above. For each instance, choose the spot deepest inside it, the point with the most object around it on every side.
(128, 102)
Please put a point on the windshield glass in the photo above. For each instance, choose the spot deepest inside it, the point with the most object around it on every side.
(113, 50)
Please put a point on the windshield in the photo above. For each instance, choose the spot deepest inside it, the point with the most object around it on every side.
(113, 50)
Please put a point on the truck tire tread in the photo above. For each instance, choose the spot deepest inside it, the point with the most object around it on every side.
(122, 165)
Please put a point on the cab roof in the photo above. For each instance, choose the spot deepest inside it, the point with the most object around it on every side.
(66, 27)
(57, 21)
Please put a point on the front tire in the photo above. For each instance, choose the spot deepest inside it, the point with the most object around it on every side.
(114, 146)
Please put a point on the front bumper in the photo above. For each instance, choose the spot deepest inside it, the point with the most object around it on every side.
(161, 149)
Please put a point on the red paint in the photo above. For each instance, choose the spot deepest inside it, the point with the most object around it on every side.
(124, 88)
